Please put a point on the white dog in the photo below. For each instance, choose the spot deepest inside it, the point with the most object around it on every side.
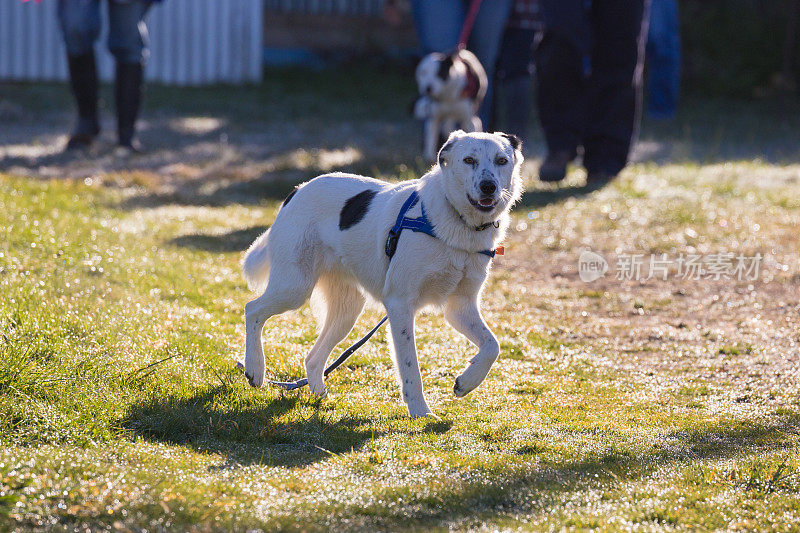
(333, 234)
(451, 89)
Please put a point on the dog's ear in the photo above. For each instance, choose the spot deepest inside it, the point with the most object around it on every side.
(516, 142)
(444, 151)
(444, 67)
(412, 108)
(443, 158)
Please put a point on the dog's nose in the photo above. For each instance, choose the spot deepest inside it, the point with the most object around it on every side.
(487, 187)
(428, 89)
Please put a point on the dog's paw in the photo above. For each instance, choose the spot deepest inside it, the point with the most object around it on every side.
(254, 380)
(428, 414)
(318, 390)
(458, 388)
(466, 383)
(420, 410)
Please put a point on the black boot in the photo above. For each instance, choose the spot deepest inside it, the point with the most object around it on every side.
(83, 81)
(128, 93)
(555, 164)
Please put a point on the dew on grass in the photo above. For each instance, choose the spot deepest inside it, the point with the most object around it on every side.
(611, 390)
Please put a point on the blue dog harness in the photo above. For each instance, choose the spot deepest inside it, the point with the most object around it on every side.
(420, 224)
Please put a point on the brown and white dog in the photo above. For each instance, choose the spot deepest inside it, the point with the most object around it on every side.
(451, 89)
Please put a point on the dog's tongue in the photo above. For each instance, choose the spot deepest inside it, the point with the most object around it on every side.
(486, 202)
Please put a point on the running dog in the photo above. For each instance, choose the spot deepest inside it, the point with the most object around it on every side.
(451, 89)
(343, 235)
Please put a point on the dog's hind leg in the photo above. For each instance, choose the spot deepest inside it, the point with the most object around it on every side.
(288, 288)
(343, 304)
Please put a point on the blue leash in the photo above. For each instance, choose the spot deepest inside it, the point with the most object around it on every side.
(292, 385)
(420, 224)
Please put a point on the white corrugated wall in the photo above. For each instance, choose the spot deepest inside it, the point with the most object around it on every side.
(192, 42)
(334, 7)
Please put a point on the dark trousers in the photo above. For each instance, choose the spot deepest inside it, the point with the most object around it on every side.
(589, 65)
(514, 83)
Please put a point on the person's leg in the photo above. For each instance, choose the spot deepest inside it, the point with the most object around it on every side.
(514, 81)
(663, 59)
(505, 59)
(563, 66)
(80, 27)
(438, 23)
(485, 44)
(615, 85)
(127, 41)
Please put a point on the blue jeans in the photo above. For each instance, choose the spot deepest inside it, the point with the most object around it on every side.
(439, 24)
(664, 58)
(127, 33)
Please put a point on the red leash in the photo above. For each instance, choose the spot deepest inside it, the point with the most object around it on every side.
(469, 22)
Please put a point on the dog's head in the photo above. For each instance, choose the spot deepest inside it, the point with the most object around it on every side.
(433, 74)
(481, 173)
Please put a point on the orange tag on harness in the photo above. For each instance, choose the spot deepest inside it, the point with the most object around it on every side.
(500, 250)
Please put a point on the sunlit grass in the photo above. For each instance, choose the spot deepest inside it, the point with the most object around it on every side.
(119, 402)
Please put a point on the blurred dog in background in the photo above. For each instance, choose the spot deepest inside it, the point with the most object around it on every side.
(451, 89)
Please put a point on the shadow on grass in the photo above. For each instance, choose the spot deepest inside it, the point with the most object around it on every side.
(439, 427)
(495, 496)
(232, 241)
(220, 421)
(542, 198)
(251, 192)
(218, 191)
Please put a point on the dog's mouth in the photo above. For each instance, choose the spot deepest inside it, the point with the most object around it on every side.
(485, 203)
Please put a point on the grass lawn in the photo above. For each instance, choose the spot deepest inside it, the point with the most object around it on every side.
(616, 404)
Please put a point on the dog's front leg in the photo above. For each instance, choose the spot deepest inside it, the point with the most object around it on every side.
(463, 314)
(431, 137)
(401, 322)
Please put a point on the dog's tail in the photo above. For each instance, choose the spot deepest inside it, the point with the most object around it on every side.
(256, 264)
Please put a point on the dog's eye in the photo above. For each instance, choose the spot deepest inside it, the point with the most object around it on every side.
(469, 160)
(501, 161)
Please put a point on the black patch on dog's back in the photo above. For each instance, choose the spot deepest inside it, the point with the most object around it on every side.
(290, 196)
(355, 208)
